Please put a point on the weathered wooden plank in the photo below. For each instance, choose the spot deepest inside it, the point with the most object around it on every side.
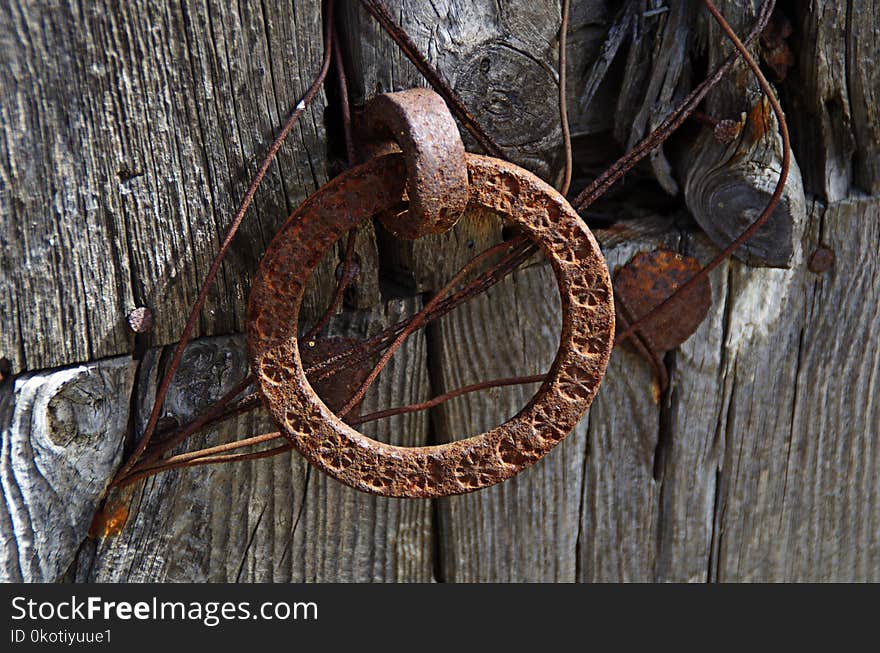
(588, 510)
(692, 414)
(800, 461)
(834, 90)
(525, 528)
(129, 135)
(619, 512)
(655, 73)
(274, 519)
(62, 440)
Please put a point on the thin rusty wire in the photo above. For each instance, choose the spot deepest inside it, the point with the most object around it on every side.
(643, 344)
(210, 455)
(186, 335)
(138, 475)
(346, 278)
(324, 369)
(177, 436)
(345, 106)
(563, 102)
(420, 318)
(348, 273)
(480, 284)
(207, 456)
(672, 122)
(443, 398)
(771, 204)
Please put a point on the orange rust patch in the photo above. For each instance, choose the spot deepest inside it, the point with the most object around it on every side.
(760, 119)
(111, 519)
(650, 278)
(655, 390)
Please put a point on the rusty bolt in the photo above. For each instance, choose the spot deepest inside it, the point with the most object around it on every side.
(140, 320)
(821, 260)
(726, 131)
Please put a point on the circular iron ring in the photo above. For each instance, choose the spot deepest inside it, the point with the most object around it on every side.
(464, 465)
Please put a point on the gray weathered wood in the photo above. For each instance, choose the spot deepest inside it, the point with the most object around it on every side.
(132, 134)
(727, 186)
(489, 53)
(62, 440)
(525, 529)
(274, 519)
(834, 90)
(798, 496)
(129, 133)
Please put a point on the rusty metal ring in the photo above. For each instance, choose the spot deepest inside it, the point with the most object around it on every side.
(460, 466)
(419, 121)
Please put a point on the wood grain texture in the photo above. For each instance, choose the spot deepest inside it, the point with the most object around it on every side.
(525, 528)
(129, 136)
(489, 53)
(62, 440)
(131, 133)
(276, 519)
(834, 90)
(655, 77)
(726, 187)
(799, 499)
(620, 513)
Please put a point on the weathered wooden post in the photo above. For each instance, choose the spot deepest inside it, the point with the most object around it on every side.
(128, 135)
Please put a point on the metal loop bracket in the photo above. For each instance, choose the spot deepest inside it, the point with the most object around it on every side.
(437, 182)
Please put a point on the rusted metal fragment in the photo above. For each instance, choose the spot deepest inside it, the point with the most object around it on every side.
(649, 279)
(465, 465)
(437, 182)
(140, 320)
